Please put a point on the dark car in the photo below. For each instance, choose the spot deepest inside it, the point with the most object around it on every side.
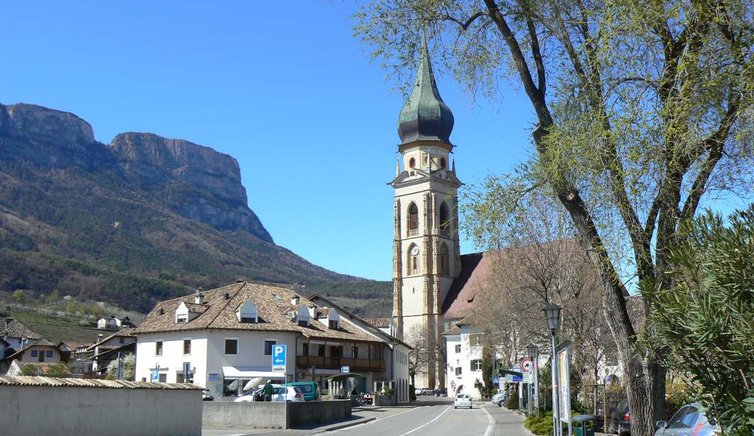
(619, 419)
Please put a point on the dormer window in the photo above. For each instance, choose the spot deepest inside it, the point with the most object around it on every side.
(302, 316)
(183, 317)
(247, 312)
(333, 320)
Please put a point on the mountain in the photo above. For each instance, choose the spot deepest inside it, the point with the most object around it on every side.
(142, 219)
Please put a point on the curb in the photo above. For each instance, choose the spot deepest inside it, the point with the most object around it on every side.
(346, 424)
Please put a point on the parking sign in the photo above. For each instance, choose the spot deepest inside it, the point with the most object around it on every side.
(278, 357)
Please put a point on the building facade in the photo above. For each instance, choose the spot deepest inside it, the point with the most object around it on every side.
(223, 340)
(426, 252)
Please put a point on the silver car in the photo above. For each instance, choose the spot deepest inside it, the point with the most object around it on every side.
(498, 399)
(688, 420)
(462, 400)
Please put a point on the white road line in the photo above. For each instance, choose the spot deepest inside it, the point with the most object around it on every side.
(490, 427)
(369, 422)
(427, 423)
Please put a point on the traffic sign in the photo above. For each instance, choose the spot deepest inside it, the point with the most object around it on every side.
(526, 365)
(345, 369)
(155, 375)
(279, 352)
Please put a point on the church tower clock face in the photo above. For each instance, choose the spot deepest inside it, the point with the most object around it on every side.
(426, 253)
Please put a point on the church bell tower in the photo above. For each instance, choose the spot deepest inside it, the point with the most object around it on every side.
(426, 252)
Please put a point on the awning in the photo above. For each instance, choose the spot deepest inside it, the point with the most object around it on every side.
(247, 372)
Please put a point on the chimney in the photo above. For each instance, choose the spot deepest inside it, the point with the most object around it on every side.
(199, 297)
(227, 296)
(8, 321)
(99, 337)
(294, 300)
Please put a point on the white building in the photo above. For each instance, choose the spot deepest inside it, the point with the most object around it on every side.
(223, 338)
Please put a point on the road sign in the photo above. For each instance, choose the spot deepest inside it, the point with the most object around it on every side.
(279, 352)
(495, 380)
(526, 365)
(345, 369)
(155, 375)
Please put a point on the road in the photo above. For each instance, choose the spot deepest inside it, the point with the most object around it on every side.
(434, 417)
(435, 420)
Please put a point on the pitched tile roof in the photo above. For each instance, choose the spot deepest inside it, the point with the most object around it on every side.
(90, 383)
(126, 332)
(378, 322)
(17, 329)
(273, 304)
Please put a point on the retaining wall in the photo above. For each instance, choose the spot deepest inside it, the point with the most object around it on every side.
(242, 416)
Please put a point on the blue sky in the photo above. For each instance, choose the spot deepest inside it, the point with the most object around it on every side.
(289, 92)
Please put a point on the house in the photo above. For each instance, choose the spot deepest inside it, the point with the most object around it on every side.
(224, 338)
(399, 350)
(40, 351)
(16, 334)
(110, 348)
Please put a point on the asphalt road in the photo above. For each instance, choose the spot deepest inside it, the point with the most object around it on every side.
(427, 416)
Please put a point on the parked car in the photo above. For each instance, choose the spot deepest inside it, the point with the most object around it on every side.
(309, 388)
(498, 399)
(427, 391)
(287, 393)
(619, 419)
(688, 420)
(462, 400)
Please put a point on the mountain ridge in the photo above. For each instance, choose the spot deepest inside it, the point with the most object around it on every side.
(137, 220)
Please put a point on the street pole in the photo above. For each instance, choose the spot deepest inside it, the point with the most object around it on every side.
(536, 384)
(556, 429)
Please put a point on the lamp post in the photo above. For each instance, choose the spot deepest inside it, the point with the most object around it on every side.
(552, 313)
(534, 356)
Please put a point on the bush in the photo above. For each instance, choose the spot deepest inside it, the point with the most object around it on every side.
(512, 401)
(541, 425)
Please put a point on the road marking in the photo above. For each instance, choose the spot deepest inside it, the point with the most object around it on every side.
(370, 422)
(427, 423)
(490, 427)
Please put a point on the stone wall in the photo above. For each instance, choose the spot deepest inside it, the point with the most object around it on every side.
(112, 411)
(244, 416)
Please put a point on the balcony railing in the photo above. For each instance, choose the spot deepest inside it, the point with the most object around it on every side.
(305, 362)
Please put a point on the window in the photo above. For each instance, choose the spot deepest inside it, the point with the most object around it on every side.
(333, 324)
(413, 220)
(443, 259)
(458, 370)
(158, 348)
(321, 350)
(247, 312)
(354, 351)
(458, 348)
(305, 349)
(121, 340)
(187, 346)
(444, 219)
(34, 353)
(412, 163)
(162, 378)
(268, 347)
(48, 353)
(181, 317)
(476, 365)
(442, 162)
(231, 346)
(475, 339)
(413, 259)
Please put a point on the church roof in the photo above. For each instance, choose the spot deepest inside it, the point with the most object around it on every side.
(425, 116)
(474, 270)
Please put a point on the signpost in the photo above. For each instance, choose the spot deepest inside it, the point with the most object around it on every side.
(345, 369)
(279, 352)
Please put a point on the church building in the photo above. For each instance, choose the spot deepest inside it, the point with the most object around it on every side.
(428, 270)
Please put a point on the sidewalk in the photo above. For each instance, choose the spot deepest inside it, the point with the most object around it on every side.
(507, 422)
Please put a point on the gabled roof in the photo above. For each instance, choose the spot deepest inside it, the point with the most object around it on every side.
(345, 314)
(41, 343)
(126, 333)
(17, 329)
(272, 302)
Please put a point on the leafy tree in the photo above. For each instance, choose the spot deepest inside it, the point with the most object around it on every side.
(19, 296)
(641, 108)
(706, 324)
(129, 366)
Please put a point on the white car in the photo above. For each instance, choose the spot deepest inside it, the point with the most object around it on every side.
(462, 400)
(287, 393)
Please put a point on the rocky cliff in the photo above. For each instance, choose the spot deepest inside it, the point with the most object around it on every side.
(194, 181)
(141, 219)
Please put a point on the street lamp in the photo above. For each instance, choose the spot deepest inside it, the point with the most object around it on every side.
(534, 356)
(552, 314)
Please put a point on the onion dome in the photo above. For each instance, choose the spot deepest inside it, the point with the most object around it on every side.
(425, 116)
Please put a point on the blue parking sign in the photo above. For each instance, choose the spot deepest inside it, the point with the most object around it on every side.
(278, 357)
